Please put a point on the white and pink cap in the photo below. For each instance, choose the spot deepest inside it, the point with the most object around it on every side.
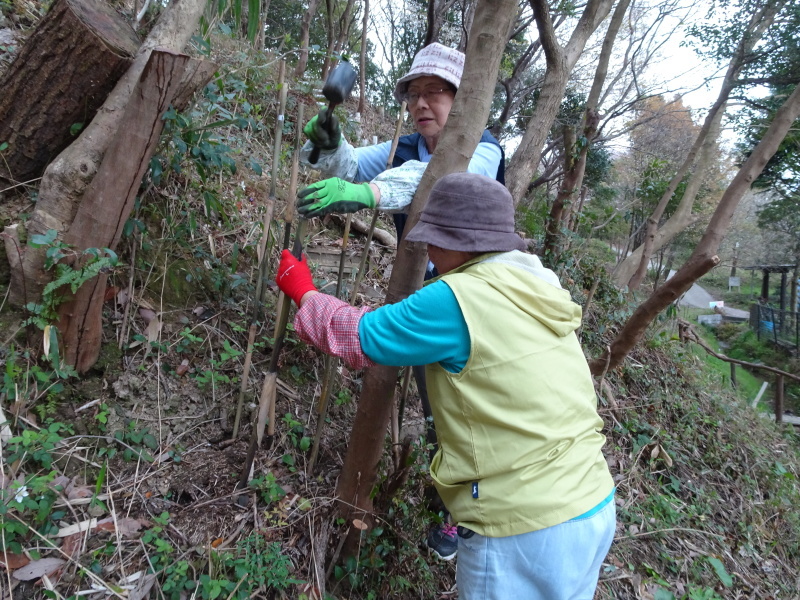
(434, 59)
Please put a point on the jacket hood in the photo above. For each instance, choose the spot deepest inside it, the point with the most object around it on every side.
(534, 289)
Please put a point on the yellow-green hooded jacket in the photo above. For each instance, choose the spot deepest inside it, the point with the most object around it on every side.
(519, 433)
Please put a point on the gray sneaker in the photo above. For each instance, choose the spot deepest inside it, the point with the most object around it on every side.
(443, 541)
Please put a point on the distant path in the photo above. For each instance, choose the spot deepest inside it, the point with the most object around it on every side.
(695, 297)
(698, 297)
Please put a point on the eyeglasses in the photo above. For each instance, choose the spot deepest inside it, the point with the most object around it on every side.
(430, 95)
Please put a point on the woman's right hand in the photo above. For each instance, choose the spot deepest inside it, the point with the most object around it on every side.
(294, 277)
(324, 131)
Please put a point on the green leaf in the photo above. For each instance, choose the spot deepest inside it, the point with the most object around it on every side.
(253, 18)
(662, 594)
(44, 240)
(255, 167)
(75, 128)
(3, 146)
(53, 356)
(719, 568)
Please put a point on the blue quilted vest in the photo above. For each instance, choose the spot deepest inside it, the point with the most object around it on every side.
(407, 149)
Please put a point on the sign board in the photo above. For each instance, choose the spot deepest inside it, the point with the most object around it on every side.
(716, 304)
(734, 282)
(712, 320)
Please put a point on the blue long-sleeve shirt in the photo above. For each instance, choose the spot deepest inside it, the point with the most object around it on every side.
(427, 327)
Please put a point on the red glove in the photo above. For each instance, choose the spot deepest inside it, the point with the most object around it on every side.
(294, 277)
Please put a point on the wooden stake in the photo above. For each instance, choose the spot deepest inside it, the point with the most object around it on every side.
(257, 313)
(263, 254)
(363, 265)
(330, 363)
(779, 399)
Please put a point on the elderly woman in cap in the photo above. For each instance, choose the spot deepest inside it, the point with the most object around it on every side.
(428, 89)
(520, 465)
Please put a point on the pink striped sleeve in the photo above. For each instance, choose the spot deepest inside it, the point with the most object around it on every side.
(332, 326)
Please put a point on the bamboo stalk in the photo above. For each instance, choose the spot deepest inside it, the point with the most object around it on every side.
(256, 316)
(363, 265)
(330, 362)
(266, 408)
(263, 249)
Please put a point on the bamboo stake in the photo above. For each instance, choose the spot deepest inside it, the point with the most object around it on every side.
(363, 265)
(263, 250)
(330, 362)
(266, 408)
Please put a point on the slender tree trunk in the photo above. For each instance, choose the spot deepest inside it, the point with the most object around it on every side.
(704, 257)
(61, 76)
(459, 139)
(326, 65)
(345, 24)
(560, 62)
(362, 101)
(572, 182)
(305, 29)
(759, 22)
(68, 176)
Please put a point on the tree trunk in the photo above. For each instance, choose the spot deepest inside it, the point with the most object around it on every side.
(67, 177)
(704, 257)
(108, 201)
(560, 62)
(575, 170)
(437, 11)
(633, 268)
(459, 139)
(362, 101)
(758, 24)
(62, 75)
(567, 188)
(305, 29)
(571, 184)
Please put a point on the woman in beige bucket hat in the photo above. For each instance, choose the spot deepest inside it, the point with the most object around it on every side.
(520, 464)
(429, 88)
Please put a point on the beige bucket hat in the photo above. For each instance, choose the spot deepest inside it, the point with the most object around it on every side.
(434, 59)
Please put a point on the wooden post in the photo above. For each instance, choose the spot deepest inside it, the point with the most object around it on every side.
(733, 376)
(779, 399)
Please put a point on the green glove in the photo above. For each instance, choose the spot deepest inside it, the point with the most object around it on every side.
(334, 195)
(324, 131)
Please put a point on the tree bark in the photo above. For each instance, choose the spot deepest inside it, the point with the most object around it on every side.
(572, 182)
(704, 257)
(62, 75)
(560, 62)
(459, 139)
(305, 29)
(362, 101)
(68, 176)
(108, 201)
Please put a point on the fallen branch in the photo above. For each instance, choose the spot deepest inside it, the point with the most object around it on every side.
(381, 235)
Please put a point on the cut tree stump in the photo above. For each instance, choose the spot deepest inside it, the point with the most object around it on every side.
(61, 76)
(167, 78)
